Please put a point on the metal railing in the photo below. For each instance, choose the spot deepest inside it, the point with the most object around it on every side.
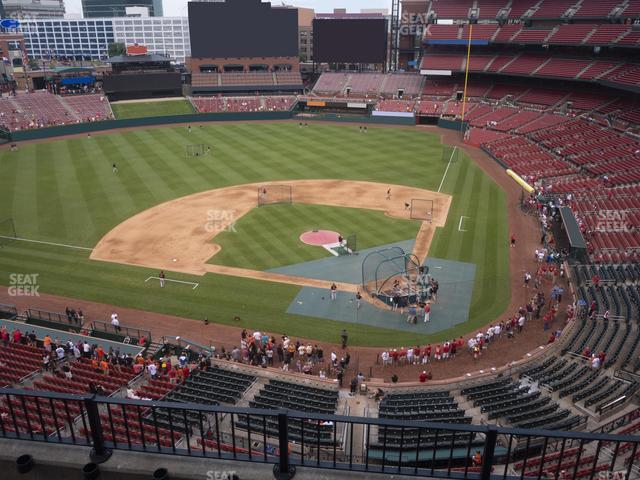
(288, 439)
(56, 320)
(119, 333)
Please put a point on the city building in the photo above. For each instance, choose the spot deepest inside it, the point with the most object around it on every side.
(89, 39)
(33, 8)
(118, 8)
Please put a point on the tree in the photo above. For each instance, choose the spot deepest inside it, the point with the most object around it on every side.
(115, 49)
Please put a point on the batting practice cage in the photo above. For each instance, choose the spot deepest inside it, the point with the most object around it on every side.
(7, 231)
(197, 150)
(449, 154)
(391, 272)
(421, 209)
(273, 194)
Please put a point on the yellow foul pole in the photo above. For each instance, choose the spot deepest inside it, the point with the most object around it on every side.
(466, 74)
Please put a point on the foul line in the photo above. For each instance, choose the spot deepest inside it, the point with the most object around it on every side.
(47, 243)
(460, 229)
(447, 169)
(195, 285)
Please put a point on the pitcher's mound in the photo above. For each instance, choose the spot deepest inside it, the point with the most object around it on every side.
(319, 237)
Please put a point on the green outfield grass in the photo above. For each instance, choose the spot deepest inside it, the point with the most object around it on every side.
(64, 191)
(268, 237)
(152, 109)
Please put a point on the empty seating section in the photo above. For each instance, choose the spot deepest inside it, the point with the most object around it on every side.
(572, 34)
(631, 39)
(520, 7)
(519, 404)
(531, 35)
(542, 96)
(396, 105)
(429, 107)
(278, 394)
(607, 34)
(209, 104)
(330, 82)
(411, 84)
(88, 108)
(490, 8)
(451, 8)
(43, 109)
(368, 83)
(499, 63)
(19, 361)
(480, 63)
(506, 33)
(454, 63)
(600, 9)
(520, 118)
(440, 88)
(441, 32)
(628, 75)
(543, 121)
(288, 78)
(525, 64)
(248, 78)
(430, 406)
(553, 8)
(563, 67)
(596, 69)
(479, 32)
(212, 386)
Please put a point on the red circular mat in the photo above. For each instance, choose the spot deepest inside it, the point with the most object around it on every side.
(319, 237)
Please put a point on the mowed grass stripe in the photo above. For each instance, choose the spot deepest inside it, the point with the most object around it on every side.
(50, 213)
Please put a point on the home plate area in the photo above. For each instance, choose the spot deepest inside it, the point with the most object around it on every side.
(331, 241)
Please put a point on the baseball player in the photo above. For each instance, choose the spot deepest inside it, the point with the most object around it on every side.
(161, 276)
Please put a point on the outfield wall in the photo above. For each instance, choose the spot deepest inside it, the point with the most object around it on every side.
(194, 118)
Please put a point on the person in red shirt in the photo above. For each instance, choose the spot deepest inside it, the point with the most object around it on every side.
(513, 240)
(402, 355)
(394, 356)
(427, 354)
(17, 336)
(445, 350)
(602, 356)
(423, 377)
(552, 338)
(185, 373)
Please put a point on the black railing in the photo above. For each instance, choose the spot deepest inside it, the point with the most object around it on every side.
(120, 333)
(54, 320)
(289, 439)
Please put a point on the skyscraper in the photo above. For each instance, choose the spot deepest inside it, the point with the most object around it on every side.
(117, 8)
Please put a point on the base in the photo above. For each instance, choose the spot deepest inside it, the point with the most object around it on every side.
(100, 457)
(283, 475)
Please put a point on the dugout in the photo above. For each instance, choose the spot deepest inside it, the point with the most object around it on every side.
(568, 235)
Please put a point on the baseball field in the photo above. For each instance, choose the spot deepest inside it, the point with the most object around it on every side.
(64, 193)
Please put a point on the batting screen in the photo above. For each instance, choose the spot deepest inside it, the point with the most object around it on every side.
(421, 209)
(197, 150)
(273, 194)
